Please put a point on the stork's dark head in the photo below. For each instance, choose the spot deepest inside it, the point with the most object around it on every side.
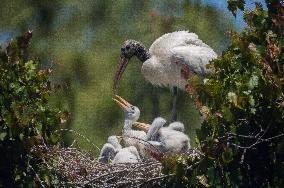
(129, 49)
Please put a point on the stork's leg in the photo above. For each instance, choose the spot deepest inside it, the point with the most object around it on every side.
(155, 102)
(174, 104)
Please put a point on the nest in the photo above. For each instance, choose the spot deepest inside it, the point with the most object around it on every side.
(80, 169)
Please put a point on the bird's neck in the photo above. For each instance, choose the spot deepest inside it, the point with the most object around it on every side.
(141, 52)
(117, 146)
(127, 125)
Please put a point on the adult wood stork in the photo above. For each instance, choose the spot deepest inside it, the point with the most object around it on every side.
(132, 114)
(167, 139)
(170, 61)
(113, 151)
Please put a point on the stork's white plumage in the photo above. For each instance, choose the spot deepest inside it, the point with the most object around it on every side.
(132, 114)
(109, 149)
(167, 139)
(127, 155)
(171, 60)
(175, 58)
(113, 151)
(177, 126)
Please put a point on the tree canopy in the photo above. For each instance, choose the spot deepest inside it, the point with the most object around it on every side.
(242, 138)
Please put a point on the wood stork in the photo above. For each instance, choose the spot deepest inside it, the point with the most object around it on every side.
(167, 139)
(132, 114)
(171, 61)
(109, 149)
(113, 151)
(127, 155)
(177, 126)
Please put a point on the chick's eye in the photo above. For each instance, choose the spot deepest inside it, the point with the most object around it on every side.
(127, 47)
(130, 113)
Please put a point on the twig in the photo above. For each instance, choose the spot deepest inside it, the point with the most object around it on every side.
(194, 164)
(153, 179)
(75, 132)
(37, 177)
(258, 142)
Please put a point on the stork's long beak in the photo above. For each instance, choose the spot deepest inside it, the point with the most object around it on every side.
(121, 102)
(143, 126)
(123, 62)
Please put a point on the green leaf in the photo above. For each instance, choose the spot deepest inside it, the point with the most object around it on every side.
(2, 136)
(234, 5)
(227, 155)
(228, 116)
(253, 82)
(232, 97)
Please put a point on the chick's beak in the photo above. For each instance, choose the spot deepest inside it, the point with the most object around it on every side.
(143, 126)
(121, 102)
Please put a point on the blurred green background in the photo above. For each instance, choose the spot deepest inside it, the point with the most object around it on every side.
(82, 40)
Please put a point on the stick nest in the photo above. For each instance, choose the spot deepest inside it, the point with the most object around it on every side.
(80, 169)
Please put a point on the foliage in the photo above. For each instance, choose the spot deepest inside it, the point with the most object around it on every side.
(242, 139)
(26, 119)
(234, 5)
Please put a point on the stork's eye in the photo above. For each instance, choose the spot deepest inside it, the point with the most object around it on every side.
(132, 107)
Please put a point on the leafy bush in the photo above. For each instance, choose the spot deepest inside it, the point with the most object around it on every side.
(242, 138)
(26, 119)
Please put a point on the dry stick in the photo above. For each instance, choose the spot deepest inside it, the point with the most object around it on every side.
(258, 142)
(69, 155)
(194, 164)
(259, 138)
(141, 141)
(143, 164)
(243, 156)
(37, 177)
(156, 178)
(94, 179)
(153, 163)
(72, 131)
(74, 141)
(255, 137)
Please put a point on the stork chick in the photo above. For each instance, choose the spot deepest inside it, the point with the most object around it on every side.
(177, 126)
(109, 149)
(113, 151)
(132, 114)
(169, 140)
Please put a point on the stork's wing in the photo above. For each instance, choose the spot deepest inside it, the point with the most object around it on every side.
(195, 56)
(107, 153)
(127, 155)
(177, 126)
(167, 41)
(152, 134)
(155, 146)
